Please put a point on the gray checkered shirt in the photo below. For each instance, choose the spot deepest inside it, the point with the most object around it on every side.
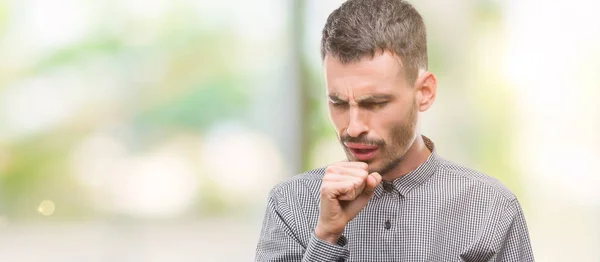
(438, 212)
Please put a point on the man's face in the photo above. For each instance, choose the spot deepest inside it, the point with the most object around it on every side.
(372, 108)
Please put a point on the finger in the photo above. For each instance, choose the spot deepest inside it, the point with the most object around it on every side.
(356, 164)
(357, 183)
(336, 189)
(347, 171)
(337, 177)
(350, 194)
(343, 190)
(360, 201)
(372, 181)
(348, 191)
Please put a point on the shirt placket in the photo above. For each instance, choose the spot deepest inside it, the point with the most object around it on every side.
(389, 219)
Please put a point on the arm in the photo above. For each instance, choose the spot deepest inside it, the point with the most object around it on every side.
(281, 241)
(514, 242)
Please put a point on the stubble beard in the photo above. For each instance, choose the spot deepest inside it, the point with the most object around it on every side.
(393, 153)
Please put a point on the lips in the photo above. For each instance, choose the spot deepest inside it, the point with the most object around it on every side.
(362, 152)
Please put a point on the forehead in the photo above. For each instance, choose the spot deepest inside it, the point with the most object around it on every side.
(380, 74)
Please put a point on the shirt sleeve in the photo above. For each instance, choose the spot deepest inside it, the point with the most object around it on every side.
(515, 244)
(279, 241)
(319, 250)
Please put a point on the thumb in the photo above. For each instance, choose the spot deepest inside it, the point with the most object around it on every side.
(372, 181)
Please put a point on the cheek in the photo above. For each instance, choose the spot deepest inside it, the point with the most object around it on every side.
(387, 118)
(388, 121)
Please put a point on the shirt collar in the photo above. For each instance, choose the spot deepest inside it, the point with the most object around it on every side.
(414, 178)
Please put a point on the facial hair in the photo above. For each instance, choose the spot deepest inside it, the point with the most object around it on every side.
(392, 153)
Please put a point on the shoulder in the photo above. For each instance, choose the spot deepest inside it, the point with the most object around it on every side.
(304, 184)
(478, 181)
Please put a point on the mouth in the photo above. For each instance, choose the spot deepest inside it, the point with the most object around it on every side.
(362, 152)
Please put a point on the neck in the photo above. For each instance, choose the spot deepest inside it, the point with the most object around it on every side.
(416, 155)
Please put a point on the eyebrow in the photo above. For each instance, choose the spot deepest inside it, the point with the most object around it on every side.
(363, 99)
(374, 98)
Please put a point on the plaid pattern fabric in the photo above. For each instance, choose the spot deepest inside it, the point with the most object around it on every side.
(438, 212)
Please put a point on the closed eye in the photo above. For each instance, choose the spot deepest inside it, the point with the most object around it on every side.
(338, 103)
(373, 105)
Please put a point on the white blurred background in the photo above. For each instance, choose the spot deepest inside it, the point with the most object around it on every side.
(153, 130)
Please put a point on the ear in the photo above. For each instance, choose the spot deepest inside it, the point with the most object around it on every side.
(426, 89)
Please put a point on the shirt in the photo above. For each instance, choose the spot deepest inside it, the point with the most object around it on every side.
(440, 211)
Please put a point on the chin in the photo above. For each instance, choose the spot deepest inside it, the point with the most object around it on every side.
(374, 166)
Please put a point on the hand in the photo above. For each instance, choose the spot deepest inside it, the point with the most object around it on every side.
(345, 191)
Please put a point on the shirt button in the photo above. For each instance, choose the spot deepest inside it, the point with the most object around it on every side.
(388, 187)
(388, 225)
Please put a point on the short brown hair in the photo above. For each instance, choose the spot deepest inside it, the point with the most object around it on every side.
(360, 28)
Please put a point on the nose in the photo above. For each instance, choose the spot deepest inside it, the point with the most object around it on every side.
(356, 125)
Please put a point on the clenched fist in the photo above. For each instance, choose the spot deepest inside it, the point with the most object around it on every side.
(345, 191)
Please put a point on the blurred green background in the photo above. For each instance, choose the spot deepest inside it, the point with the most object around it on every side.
(153, 130)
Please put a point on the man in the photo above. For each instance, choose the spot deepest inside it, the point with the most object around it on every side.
(395, 199)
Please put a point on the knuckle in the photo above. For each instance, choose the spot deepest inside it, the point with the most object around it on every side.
(351, 193)
(331, 169)
(357, 183)
(350, 187)
(364, 165)
(325, 187)
(361, 165)
(363, 174)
